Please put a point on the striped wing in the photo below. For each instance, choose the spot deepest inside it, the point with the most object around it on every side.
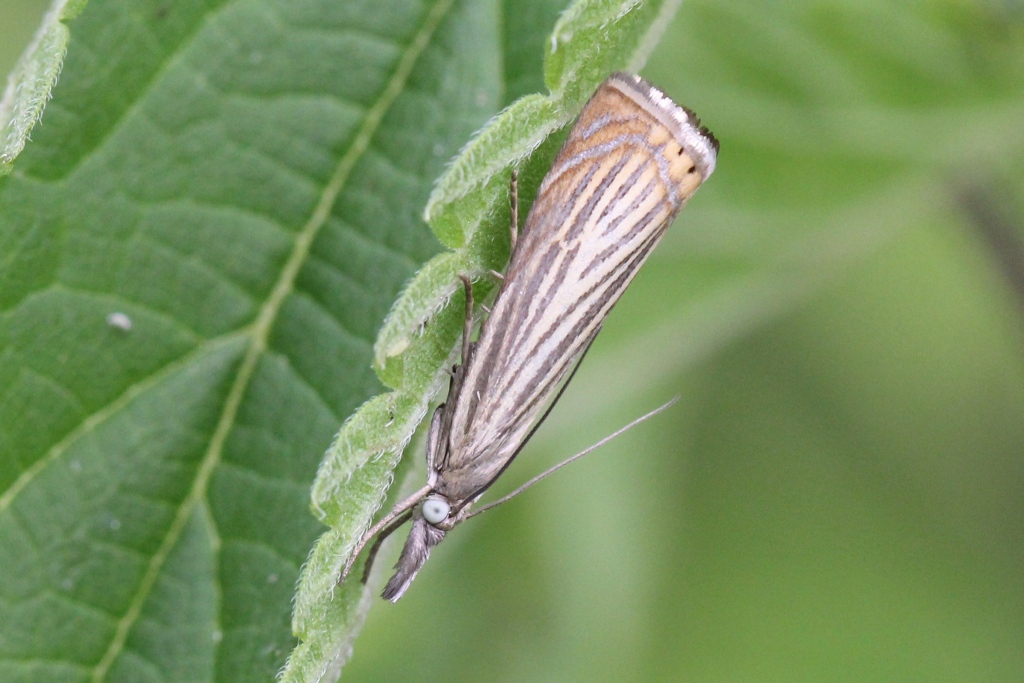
(629, 164)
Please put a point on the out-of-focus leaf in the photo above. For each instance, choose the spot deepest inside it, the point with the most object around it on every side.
(834, 498)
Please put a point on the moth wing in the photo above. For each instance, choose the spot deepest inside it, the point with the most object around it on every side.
(623, 173)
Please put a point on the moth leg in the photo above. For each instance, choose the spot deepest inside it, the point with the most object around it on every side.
(467, 327)
(376, 528)
(513, 224)
(381, 537)
(513, 200)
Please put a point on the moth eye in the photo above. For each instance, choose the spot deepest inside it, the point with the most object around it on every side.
(435, 510)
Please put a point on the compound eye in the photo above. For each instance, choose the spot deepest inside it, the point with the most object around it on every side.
(435, 510)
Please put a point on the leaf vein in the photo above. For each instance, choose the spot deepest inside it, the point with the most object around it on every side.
(260, 330)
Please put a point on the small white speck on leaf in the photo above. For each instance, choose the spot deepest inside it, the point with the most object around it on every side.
(119, 321)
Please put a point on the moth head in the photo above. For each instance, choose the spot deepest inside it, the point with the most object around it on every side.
(434, 518)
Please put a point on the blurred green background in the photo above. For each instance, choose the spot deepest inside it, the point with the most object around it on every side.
(839, 496)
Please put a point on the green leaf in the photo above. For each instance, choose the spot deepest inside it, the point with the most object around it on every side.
(420, 334)
(30, 84)
(198, 246)
(200, 242)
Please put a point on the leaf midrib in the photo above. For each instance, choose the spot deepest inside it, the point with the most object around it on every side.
(265, 320)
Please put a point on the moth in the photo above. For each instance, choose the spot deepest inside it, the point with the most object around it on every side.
(631, 161)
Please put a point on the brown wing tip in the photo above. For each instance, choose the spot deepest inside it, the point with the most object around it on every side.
(703, 130)
(700, 142)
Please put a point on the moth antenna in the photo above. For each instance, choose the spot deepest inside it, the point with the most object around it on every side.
(498, 275)
(579, 455)
(513, 200)
(376, 528)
